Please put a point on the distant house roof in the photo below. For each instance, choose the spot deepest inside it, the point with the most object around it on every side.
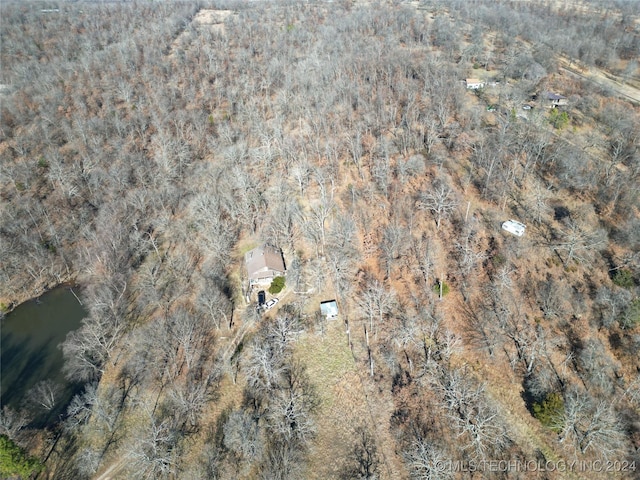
(555, 100)
(329, 308)
(264, 263)
(555, 96)
(474, 83)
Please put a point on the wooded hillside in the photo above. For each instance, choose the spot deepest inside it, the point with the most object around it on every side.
(145, 147)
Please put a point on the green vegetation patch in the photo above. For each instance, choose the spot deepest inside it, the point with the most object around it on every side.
(276, 285)
(445, 288)
(558, 119)
(14, 462)
(631, 316)
(624, 278)
(550, 411)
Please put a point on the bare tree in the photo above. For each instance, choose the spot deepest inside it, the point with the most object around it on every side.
(376, 302)
(283, 461)
(394, 245)
(101, 407)
(427, 253)
(45, 394)
(440, 200)
(425, 460)
(579, 241)
(264, 368)
(154, 454)
(597, 368)
(321, 210)
(539, 203)
(470, 253)
(409, 168)
(289, 416)
(471, 413)
(301, 172)
(552, 298)
(13, 422)
(242, 437)
(189, 399)
(529, 345)
(591, 425)
(612, 302)
(364, 461)
(342, 253)
(214, 303)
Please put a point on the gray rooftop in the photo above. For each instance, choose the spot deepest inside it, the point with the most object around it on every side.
(264, 262)
(329, 308)
(554, 96)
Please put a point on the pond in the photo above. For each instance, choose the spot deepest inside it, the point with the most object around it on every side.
(30, 336)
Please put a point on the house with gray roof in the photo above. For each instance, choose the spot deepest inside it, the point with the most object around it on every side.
(555, 100)
(263, 264)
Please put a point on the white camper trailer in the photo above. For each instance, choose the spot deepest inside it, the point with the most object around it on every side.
(515, 227)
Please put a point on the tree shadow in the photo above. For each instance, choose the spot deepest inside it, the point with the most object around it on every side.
(20, 379)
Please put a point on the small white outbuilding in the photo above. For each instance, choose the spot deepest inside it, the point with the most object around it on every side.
(329, 309)
(474, 83)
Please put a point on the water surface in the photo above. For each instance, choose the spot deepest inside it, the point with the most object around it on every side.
(30, 336)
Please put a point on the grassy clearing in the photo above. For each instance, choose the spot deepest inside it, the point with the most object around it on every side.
(244, 247)
(327, 358)
(342, 401)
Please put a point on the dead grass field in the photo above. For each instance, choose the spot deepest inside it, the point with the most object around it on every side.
(343, 405)
(333, 372)
(210, 19)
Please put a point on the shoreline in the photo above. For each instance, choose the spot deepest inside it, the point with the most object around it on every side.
(9, 305)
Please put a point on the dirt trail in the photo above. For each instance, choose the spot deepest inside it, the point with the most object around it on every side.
(602, 78)
(113, 470)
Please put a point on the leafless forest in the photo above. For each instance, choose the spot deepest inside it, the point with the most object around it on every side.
(145, 147)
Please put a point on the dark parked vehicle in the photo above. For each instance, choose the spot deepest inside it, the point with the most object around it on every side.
(262, 297)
